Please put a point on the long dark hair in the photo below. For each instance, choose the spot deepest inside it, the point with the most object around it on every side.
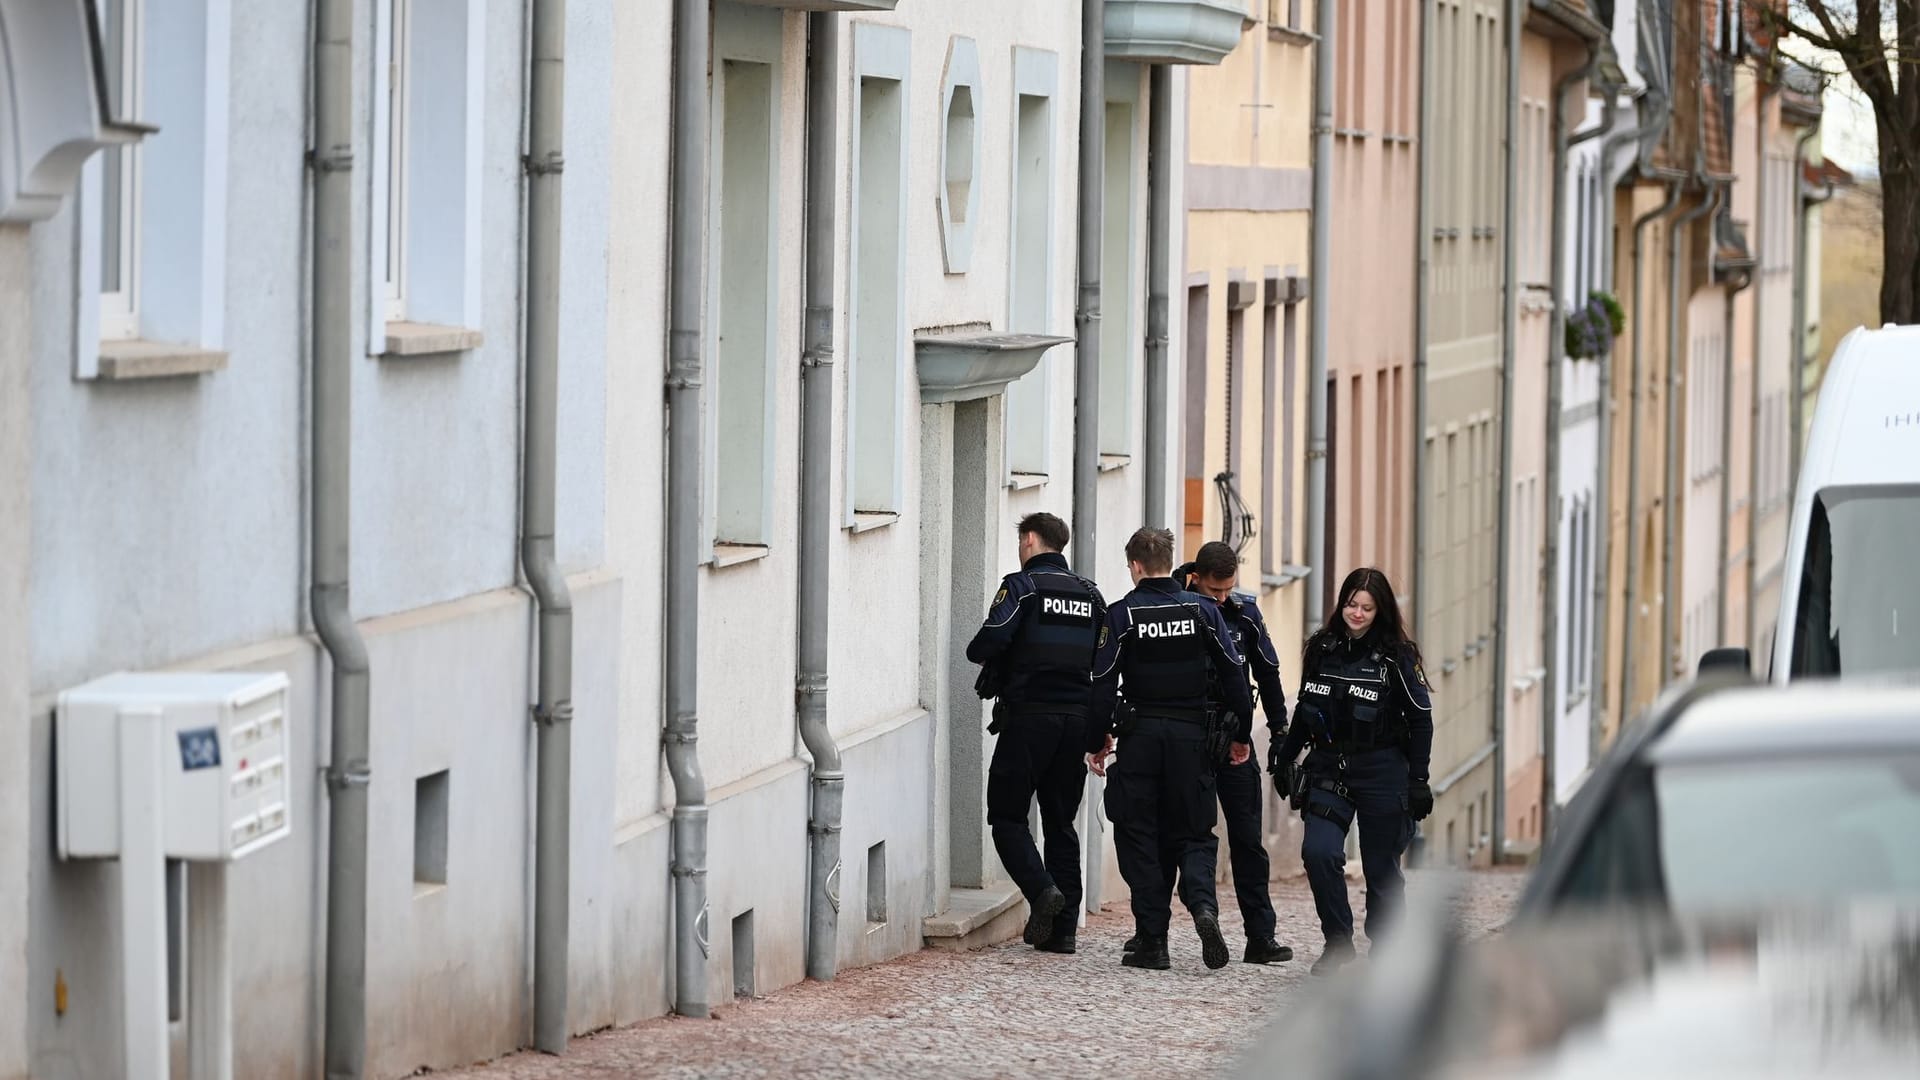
(1388, 633)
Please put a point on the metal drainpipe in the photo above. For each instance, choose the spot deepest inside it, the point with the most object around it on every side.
(1159, 268)
(686, 334)
(1086, 357)
(1509, 322)
(553, 712)
(816, 493)
(1422, 473)
(1321, 575)
(1720, 619)
(332, 362)
(1630, 620)
(1556, 394)
(1765, 92)
(1797, 403)
(1669, 516)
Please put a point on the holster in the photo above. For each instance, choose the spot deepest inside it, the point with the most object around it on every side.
(1125, 719)
(1297, 790)
(1219, 738)
(1000, 715)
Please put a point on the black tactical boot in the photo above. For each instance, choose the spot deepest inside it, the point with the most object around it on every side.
(1152, 955)
(1336, 955)
(1266, 951)
(1132, 945)
(1213, 944)
(1059, 943)
(1040, 915)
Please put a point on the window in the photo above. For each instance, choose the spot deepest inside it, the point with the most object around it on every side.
(1857, 584)
(122, 33)
(1270, 510)
(427, 145)
(742, 284)
(1030, 281)
(1236, 376)
(1118, 336)
(152, 215)
(877, 378)
(1194, 488)
(1289, 330)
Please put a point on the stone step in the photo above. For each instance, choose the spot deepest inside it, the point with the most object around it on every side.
(977, 918)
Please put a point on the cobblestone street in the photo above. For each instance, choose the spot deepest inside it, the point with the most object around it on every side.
(1006, 1011)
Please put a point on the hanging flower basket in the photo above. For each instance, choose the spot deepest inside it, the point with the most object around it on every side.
(1592, 327)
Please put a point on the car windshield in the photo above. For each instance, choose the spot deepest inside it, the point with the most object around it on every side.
(1758, 834)
(1859, 608)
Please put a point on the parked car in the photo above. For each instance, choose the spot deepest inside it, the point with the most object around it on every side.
(1734, 892)
(1849, 596)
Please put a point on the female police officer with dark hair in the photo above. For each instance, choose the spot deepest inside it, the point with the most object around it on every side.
(1366, 715)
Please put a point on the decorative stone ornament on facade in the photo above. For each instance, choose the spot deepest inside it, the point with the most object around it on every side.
(966, 364)
(52, 105)
(958, 195)
(1174, 31)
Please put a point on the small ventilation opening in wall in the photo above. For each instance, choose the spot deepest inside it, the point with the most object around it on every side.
(743, 954)
(430, 829)
(877, 884)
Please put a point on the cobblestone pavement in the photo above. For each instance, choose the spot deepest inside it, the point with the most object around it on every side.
(1005, 1011)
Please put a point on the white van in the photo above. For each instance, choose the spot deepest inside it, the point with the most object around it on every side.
(1850, 597)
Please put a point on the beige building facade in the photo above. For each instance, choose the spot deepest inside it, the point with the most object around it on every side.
(1249, 185)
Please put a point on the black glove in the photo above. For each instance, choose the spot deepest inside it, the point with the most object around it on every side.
(1419, 800)
(1278, 767)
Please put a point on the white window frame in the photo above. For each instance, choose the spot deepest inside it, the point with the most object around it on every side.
(120, 308)
(880, 53)
(1029, 411)
(746, 35)
(174, 209)
(1120, 339)
(433, 155)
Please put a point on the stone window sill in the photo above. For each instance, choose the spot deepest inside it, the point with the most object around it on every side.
(1114, 462)
(869, 520)
(125, 361)
(725, 555)
(429, 339)
(1287, 576)
(1292, 37)
(1026, 481)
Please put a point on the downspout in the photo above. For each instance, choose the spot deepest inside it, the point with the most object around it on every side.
(1720, 619)
(1159, 258)
(1556, 394)
(686, 335)
(553, 712)
(1086, 358)
(1764, 92)
(1797, 403)
(1324, 18)
(1509, 323)
(332, 365)
(816, 490)
(1669, 516)
(1422, 471)
(1630, 617)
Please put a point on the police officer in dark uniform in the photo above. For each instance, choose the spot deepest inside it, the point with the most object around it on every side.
(1036, 653)
(1365, 709)
(1213, 574)
(1156, 649)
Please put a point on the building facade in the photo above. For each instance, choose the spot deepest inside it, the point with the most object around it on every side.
(1248, 276)
(162, 350)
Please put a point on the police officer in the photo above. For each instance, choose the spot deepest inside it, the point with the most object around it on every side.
(1156, 648)
(1365, 708)
(1036, 650)
(1213, 574)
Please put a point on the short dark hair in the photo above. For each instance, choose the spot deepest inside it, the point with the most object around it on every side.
(1051, 530)
(1217, 560)
(1153, 549)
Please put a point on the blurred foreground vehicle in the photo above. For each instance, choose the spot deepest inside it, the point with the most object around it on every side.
(1735, 892)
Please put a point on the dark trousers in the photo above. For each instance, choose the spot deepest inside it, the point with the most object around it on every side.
(1160, 798)
(1242, 787)
(1040, 755)
(1376, 784)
